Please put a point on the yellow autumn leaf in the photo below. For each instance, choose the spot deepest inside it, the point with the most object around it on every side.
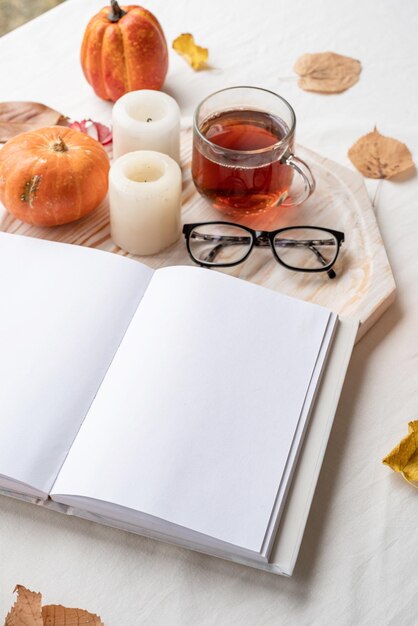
(195, 55)
(404, 457)
(327, 72)
(377, 156)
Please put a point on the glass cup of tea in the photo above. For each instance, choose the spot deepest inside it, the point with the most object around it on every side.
(243, 160)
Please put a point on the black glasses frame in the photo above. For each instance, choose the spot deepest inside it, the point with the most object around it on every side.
(266, 238)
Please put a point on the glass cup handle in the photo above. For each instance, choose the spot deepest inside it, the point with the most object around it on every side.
(308, 180)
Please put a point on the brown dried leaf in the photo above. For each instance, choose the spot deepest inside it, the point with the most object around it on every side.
(26, 611)
(19, 117)
(195, 55)
(57, 615)
(377, 156)
(327, 72)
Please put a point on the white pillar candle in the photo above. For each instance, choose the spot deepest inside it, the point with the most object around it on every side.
(145, 202)
(146, 120)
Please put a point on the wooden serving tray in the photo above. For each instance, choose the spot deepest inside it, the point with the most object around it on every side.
(364, 287)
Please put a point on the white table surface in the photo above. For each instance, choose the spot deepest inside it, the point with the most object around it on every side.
(358, 561)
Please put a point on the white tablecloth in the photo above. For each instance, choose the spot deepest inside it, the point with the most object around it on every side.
(358, 561)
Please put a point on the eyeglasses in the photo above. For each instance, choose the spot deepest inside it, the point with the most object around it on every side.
(299, 248)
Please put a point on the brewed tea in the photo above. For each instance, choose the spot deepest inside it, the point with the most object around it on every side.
(240, 169)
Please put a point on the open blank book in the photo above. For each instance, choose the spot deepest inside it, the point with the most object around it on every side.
(182, 404)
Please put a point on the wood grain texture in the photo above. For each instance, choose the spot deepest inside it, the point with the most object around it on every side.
(364, 287)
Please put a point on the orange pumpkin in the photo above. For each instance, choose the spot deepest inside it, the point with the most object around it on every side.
(52, 175)
(124, 49)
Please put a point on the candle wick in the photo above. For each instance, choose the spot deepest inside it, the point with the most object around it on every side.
(149, 119)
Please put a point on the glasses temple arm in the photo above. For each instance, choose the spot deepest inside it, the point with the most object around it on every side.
(212, 254)
(322, 260)
(310, 245)
(226, 239)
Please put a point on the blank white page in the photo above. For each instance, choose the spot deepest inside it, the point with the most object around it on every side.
(64, 310)
(195, 418)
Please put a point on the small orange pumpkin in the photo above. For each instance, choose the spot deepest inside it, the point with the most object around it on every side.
(124, 49)
(53, 175)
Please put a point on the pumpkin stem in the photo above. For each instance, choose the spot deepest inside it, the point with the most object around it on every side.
(59, 145)
(116, 12)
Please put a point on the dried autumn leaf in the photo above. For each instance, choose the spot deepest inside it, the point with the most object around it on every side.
(98, 131)
(195, 55)
(26, 611)
(377, 156)
(327, 72)
(404, 457)
(57, 615)
(19, 117)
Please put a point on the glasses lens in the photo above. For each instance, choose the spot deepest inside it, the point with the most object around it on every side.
(306, 248)
(219, 244)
